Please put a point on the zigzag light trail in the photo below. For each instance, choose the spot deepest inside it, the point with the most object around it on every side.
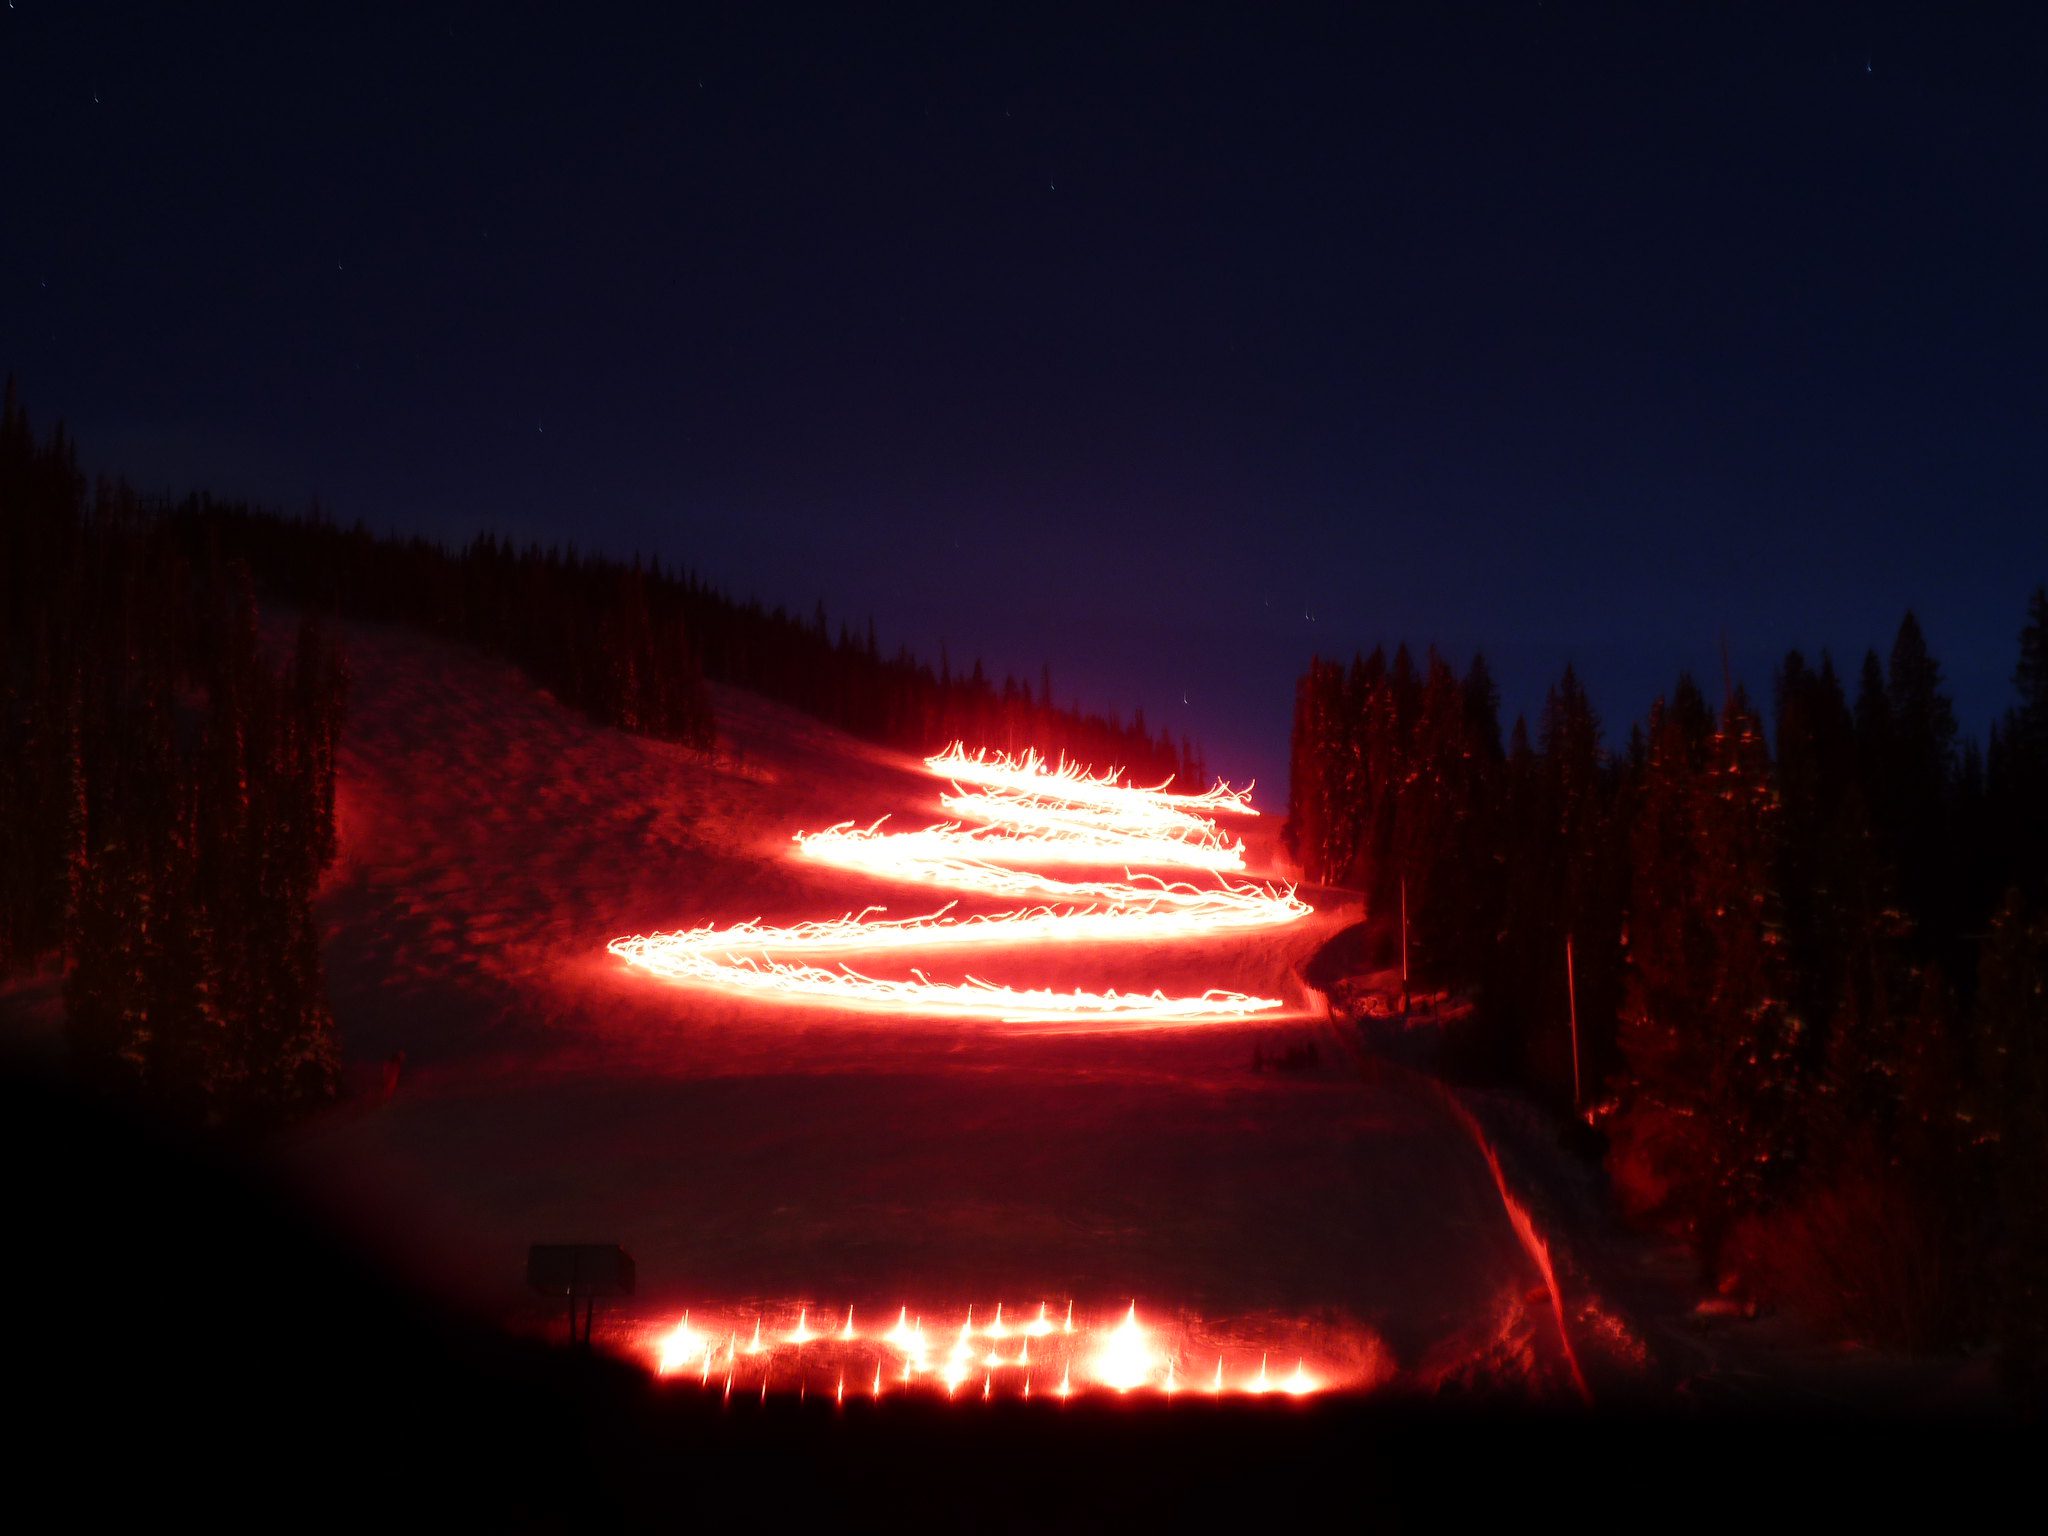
(1031, 814)
(1051, 843)
(1014, 807)
(1032, 774)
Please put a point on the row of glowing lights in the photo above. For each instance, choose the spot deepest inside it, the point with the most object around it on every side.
(1124, 1360)
(1032, 813)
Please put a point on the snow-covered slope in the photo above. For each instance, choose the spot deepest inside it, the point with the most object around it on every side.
(494, 842)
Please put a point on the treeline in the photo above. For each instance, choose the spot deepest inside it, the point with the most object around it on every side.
(166, 799)
(1811, 969)
(630, 643)
(167, 787)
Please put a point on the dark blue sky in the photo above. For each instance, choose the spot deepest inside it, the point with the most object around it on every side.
(1168, 347)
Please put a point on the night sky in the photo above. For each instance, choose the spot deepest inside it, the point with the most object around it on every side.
(1169, 349)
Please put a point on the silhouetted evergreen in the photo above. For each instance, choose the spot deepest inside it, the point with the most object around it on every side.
(1811, 1013)
(1704, 1129)
(630, 643)
(167, 800)
(1913, 784)
(2016, 765)
(2012, 1099)
(167, 782)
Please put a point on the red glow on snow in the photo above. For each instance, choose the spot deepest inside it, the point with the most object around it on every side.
(1614, 1336)
(1532, 1241)
(1032, 815)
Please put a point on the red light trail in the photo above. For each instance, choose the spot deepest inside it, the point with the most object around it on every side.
(1015, 808)
(1053, 841)
(1044, 838)
(1032, 814)
(1033, 775)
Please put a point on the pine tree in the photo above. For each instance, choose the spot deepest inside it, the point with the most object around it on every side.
(1826, 875)
(2014, 844)
(1369, 746)
(1918, 776)
(1578, 892)
(1706, 1127)
(1510, 1004)
(1873, 730)
(1433, 821)
(2012, 1036)
(1482, 709)
(2030, 680)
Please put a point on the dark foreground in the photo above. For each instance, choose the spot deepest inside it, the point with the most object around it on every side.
(195, 1348)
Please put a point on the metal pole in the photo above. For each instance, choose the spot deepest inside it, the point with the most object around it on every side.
(575, 1279)
(1571, 986)
(1404, 946)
